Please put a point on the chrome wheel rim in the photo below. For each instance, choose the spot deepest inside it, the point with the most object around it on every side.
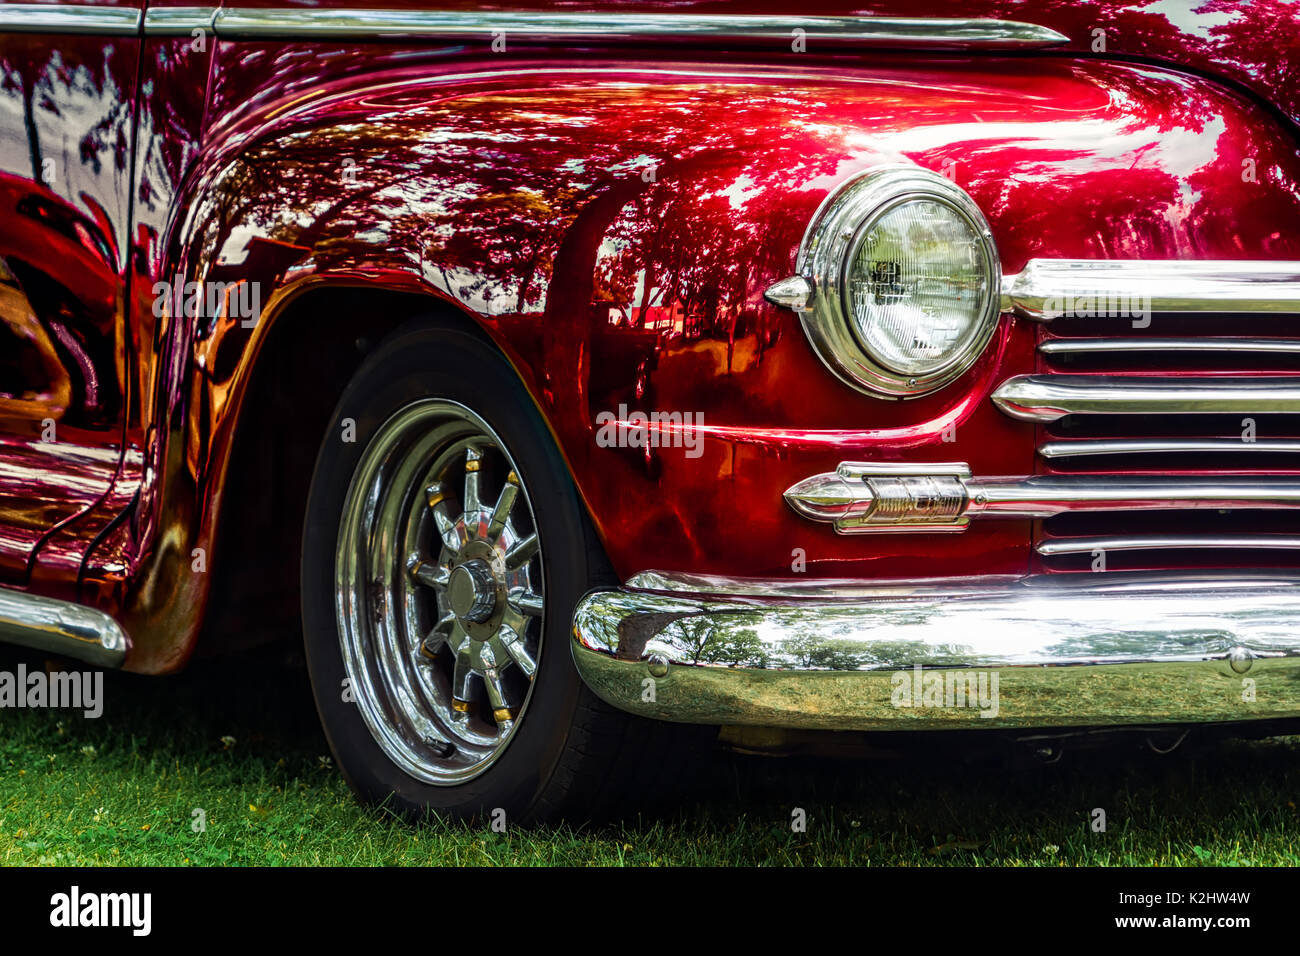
(439, 592)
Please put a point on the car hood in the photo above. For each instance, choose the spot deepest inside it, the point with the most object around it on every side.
(1252, 43)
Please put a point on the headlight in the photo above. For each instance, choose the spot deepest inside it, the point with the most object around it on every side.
(902, 280)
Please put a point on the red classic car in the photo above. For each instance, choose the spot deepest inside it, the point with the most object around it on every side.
(582, 379)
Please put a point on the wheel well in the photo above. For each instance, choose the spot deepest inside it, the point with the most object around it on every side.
(300, 373)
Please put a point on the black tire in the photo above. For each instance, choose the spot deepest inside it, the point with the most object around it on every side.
(571, 755)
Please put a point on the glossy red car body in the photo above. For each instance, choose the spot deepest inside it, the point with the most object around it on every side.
(539, 191)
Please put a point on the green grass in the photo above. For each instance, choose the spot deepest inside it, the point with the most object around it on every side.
(121, 790)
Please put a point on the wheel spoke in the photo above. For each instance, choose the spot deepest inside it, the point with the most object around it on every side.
(526, 602)
(461, 679)
(501, 513)
(438, 635)
(473, 462)
(521, 552)
(456, 635)
(438, 496)
(515, 621)
(514, 647)
(429, 574)
(496, 694)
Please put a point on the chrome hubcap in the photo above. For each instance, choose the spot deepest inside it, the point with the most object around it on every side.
(472, 592)
(440, 600)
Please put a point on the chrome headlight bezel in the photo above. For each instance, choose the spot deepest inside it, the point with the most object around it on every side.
(825, 259)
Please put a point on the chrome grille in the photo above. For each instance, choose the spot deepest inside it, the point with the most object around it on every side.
(1206, 383)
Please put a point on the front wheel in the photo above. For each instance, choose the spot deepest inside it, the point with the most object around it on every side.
(444, 550)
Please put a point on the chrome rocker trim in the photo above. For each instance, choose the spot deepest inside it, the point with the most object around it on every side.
(1046, 651)
(60, 627)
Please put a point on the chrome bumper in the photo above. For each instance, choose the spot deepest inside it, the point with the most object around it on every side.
(59, 627)
(1045, 651)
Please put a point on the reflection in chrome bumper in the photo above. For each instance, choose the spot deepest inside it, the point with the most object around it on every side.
(1044, 651)
(60, 627)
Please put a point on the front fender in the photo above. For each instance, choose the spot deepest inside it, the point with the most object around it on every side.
(612, 228)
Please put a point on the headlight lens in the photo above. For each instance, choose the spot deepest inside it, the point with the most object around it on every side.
(899, 283)
(917, 286)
